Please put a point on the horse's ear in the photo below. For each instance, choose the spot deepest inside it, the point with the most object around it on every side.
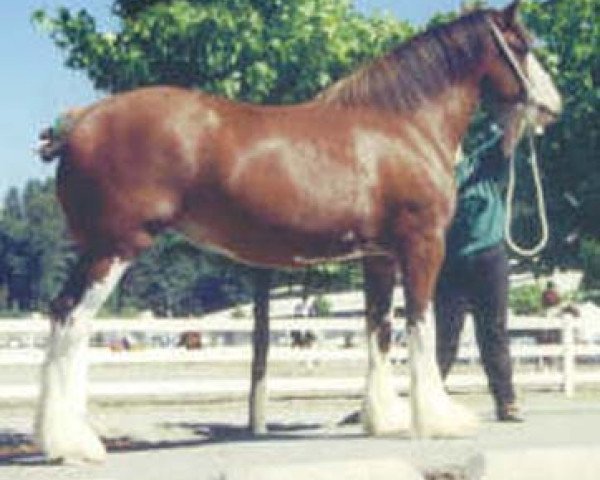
(511, 13)
(468, 7)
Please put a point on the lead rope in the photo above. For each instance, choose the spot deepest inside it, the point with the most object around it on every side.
(510, 194)
(541, 204)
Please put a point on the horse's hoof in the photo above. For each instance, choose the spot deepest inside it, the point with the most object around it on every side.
(72, 457)
(444, 420)
(76, 443)
(386, 418)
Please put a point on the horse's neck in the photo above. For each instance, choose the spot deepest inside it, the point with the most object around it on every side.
(454, 110)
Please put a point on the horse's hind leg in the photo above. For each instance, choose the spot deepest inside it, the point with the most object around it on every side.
(383, 410)
(260, 343)
(434, 413)
(62, 428)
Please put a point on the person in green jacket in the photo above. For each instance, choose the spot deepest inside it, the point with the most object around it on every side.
(474, 276)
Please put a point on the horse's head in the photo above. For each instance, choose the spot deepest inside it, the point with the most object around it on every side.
(522, 90)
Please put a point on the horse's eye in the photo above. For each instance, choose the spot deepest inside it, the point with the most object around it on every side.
(519, 40)
(520, 46)
(526, 42)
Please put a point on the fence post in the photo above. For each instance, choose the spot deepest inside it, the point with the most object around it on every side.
(568, 341)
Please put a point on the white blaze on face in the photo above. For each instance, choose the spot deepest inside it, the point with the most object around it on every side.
(459, 155)
(543, 90)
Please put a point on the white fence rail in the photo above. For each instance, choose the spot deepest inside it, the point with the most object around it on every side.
(226, 341)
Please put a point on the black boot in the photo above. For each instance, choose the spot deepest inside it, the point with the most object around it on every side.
(508, 412)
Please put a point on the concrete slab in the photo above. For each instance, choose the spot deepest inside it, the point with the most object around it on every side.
(577, 462)
(371, 469)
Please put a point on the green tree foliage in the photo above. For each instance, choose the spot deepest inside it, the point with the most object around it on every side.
(34, 253)
(272, 51)
(175, 279)
(164, 280)
(590, 257)
(570, 48)
(526, 300)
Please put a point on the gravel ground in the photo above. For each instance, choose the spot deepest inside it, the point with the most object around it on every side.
(197, 440)
(148, 425)
(147, 420)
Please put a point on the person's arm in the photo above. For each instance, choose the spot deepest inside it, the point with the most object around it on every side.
(485, 162)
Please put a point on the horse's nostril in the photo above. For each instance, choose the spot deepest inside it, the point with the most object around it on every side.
(550, 115)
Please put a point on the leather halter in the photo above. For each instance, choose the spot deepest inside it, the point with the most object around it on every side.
(533, 106)
(514, 63)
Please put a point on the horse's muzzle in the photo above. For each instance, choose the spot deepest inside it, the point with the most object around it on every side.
(546, 115)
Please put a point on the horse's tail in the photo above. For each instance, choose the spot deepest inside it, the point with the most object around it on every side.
(53, 139)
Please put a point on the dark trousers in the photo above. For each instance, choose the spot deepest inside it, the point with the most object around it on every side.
(479, 284)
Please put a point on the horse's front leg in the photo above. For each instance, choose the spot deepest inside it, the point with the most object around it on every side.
(260, 343)
(62, 428)
(434, 413)
(384, 412)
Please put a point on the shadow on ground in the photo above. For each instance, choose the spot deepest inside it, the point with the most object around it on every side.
(20, 448)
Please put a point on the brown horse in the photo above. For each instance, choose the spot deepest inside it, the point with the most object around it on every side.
(364, 170)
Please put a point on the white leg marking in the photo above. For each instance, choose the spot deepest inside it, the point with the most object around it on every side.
(383, 411)
(434, 413)
(62, 428)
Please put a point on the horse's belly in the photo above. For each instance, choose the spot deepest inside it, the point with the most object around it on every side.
(259, 245)
(209, 239)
